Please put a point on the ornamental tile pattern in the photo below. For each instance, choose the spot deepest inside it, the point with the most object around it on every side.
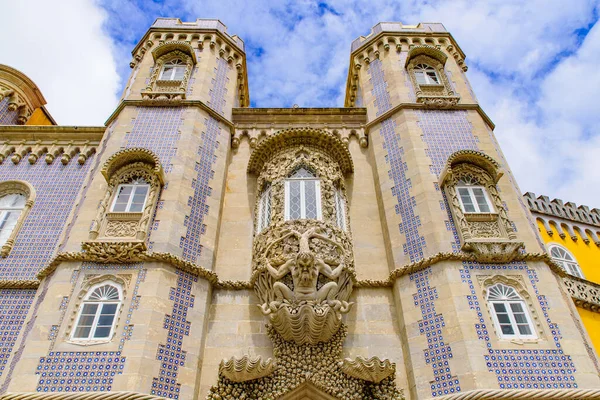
(380, 87)
(171, 355)
(14, 306)
(7, 117)
(219, 89)
(56, 187)
(521, 369)
(157, 129)
(438, 352)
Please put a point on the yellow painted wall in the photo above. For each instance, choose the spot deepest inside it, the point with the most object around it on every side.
(588, 257)
(39, 117)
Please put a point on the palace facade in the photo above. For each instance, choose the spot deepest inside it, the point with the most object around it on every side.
(197, 248)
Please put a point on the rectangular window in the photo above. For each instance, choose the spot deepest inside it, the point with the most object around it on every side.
(474, 199)
(130, 198)
(512, 320)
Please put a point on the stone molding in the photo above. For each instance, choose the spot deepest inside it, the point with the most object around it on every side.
(121, 168)
(175, 45)
(66, 150)
(286, 138)
(81, 396)
(429, 51)
(27, 190)
(585, 294)
(525, 394)
(493, 238)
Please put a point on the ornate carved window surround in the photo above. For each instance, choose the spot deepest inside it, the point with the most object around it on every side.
(440, 94)
(159, 90)
(27, 190)
(121, 168)
(490, 236)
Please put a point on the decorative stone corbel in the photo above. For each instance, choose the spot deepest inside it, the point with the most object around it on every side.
(246, 368)
(371, 370)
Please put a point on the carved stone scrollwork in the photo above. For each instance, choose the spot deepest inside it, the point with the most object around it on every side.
(246, 368)
(305, 272)
(371, 370)
(490, 236)
(109, 252)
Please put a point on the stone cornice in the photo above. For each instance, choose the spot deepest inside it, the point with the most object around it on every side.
(417, 106)
(81, 396)
(181, 103)
(50, 133)
(284, 116)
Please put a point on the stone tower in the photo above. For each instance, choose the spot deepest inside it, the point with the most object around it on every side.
(199, 248)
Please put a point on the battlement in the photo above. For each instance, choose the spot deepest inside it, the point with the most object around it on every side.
(543, 204)
(423, 27)
(199, 24)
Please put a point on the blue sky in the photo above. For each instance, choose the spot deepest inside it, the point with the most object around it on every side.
(534, 65)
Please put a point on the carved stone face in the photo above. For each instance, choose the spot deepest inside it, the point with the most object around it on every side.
(305, 270)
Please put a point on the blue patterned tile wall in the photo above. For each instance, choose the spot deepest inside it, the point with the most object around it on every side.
(7, 117)
(190, 243)
(406, 206)
(157, 129)
(84, 371)
(219, 89)
(438, 352)
(445, 132)
(171, 355)
(380, 88)
(56, 187)
(546, 368)
(407, 81)
(14, 306)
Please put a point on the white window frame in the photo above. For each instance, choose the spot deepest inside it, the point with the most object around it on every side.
(340, 209)
(510, 313)
(98, 312)
(172, 72)
(571, 267)
(302, 197)
(474, 199)
(5, 213)
(423, 69)
(134, 186)
(264, 206)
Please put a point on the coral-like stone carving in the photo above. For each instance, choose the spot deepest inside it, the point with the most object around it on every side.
(499, 252)
(106, 252)
(371, 370)
(316, 365)
(246, 368)
(305, 279)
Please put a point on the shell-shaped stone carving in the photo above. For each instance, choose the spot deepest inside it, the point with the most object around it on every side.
(308, 322)
(371, 370)
(246, 368)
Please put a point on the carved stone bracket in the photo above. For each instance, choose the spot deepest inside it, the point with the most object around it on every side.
(246, 368)
(372, 370)
(108, 252)
(494, 251)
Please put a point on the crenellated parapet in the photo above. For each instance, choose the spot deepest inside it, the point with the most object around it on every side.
(567, 218)
(171, 34)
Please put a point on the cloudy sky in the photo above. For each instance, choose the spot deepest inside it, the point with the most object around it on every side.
(534, 65)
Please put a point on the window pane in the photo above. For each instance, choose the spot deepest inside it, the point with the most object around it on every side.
(82, 332)
(139, 198)
(520, 318)
(499, 307)
(503, 318)
(420, 76)
(179, 72)
(524, 329)
(122, 198)
(167, 72)
(294, 205)
(106, 320)
(89, 309)
(102, 332)
(86, 320)
(481, 200)
(8, 220)
(516, 307)
(310, 199)
(467, 202)
(109, 309)
(432, 77)
(507, 329)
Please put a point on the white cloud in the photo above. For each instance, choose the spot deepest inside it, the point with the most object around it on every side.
(61, 46)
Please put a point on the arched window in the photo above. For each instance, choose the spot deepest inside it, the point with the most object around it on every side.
(565, 260)
(97, 313)
(302, 195)
(11, 207)
(264, 209)
(473, 197)
(173, 70)
(340, 209)
(426, 75)
(510, 313)
(131, 197)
